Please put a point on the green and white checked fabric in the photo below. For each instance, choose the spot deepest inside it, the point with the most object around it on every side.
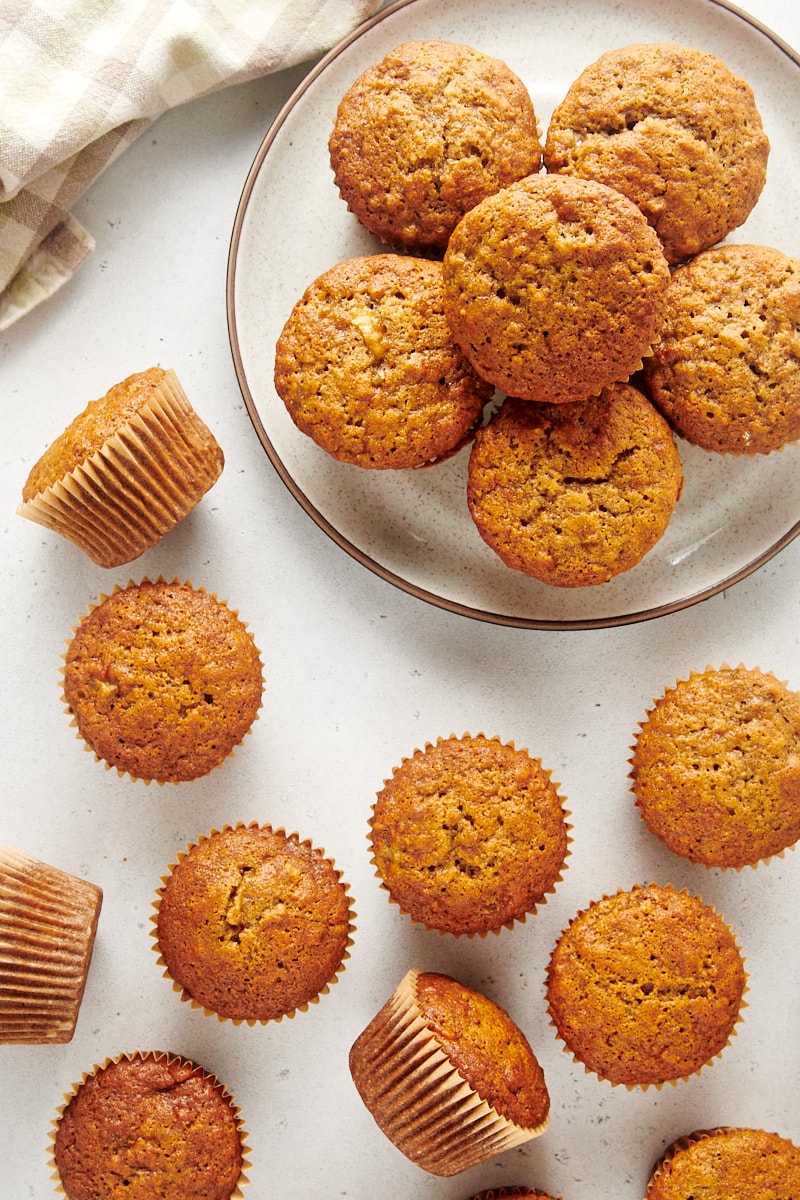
(80, 80)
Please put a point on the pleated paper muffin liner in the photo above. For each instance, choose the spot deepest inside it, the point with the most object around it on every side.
(423, 1104)
(673, 1081)
(171, 1059)
(521, 915)
(48, 922)
(129, 772)
(657, 701)
(185, 994)
(138, 485)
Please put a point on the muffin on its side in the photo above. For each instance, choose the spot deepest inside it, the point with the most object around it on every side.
(645, 987)
(554, 288)
(48, 922)
(132, 465)
(574, 494)
(725, 370)
(727, 1164)
(368, 369)
(448, 1076)
(150, 1126)
(716, 767)
(672, 128)
(253, 924)
(469, 835)
(163, 681)
(420, 137)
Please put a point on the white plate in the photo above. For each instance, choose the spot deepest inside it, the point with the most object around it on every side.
(413, 528)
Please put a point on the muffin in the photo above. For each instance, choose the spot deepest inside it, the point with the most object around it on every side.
(367, 368)
(673, 129)
(728, 1164)
(252, 924)
(716, 767)
(506, 1193)
(574, 494)
(469, 835)
(645, 986)
(554, 288)
(162, 680)
(149, 1126)
(425, 134)
(48, 922)
(128, 468)
(725, 370)
(448, 1076)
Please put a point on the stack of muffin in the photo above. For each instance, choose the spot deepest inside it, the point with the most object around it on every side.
(566, 309)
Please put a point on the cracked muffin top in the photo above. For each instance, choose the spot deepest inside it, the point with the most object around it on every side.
(645, 986)
(367, 367)
(725, 370)
(469, 835)
(554, 288)
(727, 1164)
(716, 767)
(672, 128)
(252, 923)
(163, 681)
(420, 137)
(150, 1126)
(574, 494)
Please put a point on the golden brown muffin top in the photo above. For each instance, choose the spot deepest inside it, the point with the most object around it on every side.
(672, 128)
(91, 429)
(645, 986)
(367, 367)
(469, 834)
(420, 137)
(716, 767)
(149, 1127)
(728, 1164)
(486, 1047)
(574, 494)
(163, 681)
(725, 370)
(252, 923)
(554, 288)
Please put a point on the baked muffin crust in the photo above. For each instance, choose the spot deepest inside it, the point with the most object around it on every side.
(728, 1164)
(672, 128)
(485, 1046)
(420, 137)
(163, 681)
(149, 1127)
(716, 767)
(469, 835)
(554, 288)
(574, 494)
(253, 924)
(368, 369)
(645, 986)
(725, 370)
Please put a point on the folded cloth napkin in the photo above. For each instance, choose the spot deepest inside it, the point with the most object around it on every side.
(80, 80)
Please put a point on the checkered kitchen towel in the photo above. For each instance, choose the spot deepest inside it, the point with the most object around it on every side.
(80, 80)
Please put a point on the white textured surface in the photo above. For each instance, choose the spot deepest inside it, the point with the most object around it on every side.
(358, 673)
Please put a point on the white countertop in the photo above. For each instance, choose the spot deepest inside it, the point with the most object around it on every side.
(358, 673)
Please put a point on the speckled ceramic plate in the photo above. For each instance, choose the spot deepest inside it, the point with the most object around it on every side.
(413, 528)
